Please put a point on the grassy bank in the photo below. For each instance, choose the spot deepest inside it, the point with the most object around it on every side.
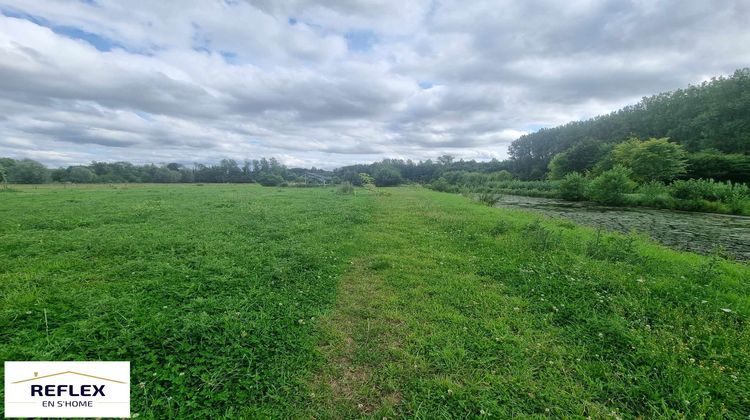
(242, 300)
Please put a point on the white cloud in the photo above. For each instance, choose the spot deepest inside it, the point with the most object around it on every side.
(334, 82)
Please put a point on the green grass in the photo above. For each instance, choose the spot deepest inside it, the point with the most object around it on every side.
(243, 301)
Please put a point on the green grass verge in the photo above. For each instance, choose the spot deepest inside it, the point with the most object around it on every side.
(247, 301)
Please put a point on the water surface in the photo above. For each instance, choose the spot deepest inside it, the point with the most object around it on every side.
(696, 232)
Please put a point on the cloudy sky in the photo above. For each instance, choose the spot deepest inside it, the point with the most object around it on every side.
(333, 82)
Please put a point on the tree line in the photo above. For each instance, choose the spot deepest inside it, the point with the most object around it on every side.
(263, 171)
(391, 172)
(388, 172)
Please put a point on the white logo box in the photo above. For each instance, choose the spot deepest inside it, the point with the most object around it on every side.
(67, 389)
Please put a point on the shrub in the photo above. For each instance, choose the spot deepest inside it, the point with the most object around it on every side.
(346, 187)
(651, 160)
(739, 199)
(708, 189)
(269, 180)
(573, 187)
(654, 194)
(502, 176)
(441, 184)
(611, 186)
(365, 178)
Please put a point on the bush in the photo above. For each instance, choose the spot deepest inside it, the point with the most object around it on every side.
(651, 160)
(654, 194)
(441, 185)
(269, 180)
(739, 199)
(611, 186)
(346, 187)
(573, 187)
(365, 179)
(707, 189)
(502, 176)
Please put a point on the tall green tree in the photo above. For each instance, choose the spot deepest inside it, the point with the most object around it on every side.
(81, 175)
(712, 164)
(386, 176)
(581, 157)
(28, 171)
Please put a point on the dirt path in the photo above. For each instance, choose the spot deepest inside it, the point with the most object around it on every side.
(363, 340)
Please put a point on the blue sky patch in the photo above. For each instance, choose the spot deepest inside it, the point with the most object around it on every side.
(360, 40)
(97, 41)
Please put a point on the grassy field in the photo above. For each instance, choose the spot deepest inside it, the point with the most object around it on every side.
(244, 301)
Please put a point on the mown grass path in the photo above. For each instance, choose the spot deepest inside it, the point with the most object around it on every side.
(241, 301)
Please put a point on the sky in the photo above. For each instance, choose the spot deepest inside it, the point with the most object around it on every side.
(332, 82)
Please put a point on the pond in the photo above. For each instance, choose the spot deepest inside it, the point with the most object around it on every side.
(696, 232)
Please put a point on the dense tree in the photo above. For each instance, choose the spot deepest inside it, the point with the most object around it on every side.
(387, 176)
(80, 174)
(227, 170)
(28, 171)
(713, 115)
(712, 164)
(424, 172)
(581, 157)
(166, 175)
(7, 163)
(446, 159)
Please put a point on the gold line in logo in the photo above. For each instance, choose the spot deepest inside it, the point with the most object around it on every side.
(63, 373)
